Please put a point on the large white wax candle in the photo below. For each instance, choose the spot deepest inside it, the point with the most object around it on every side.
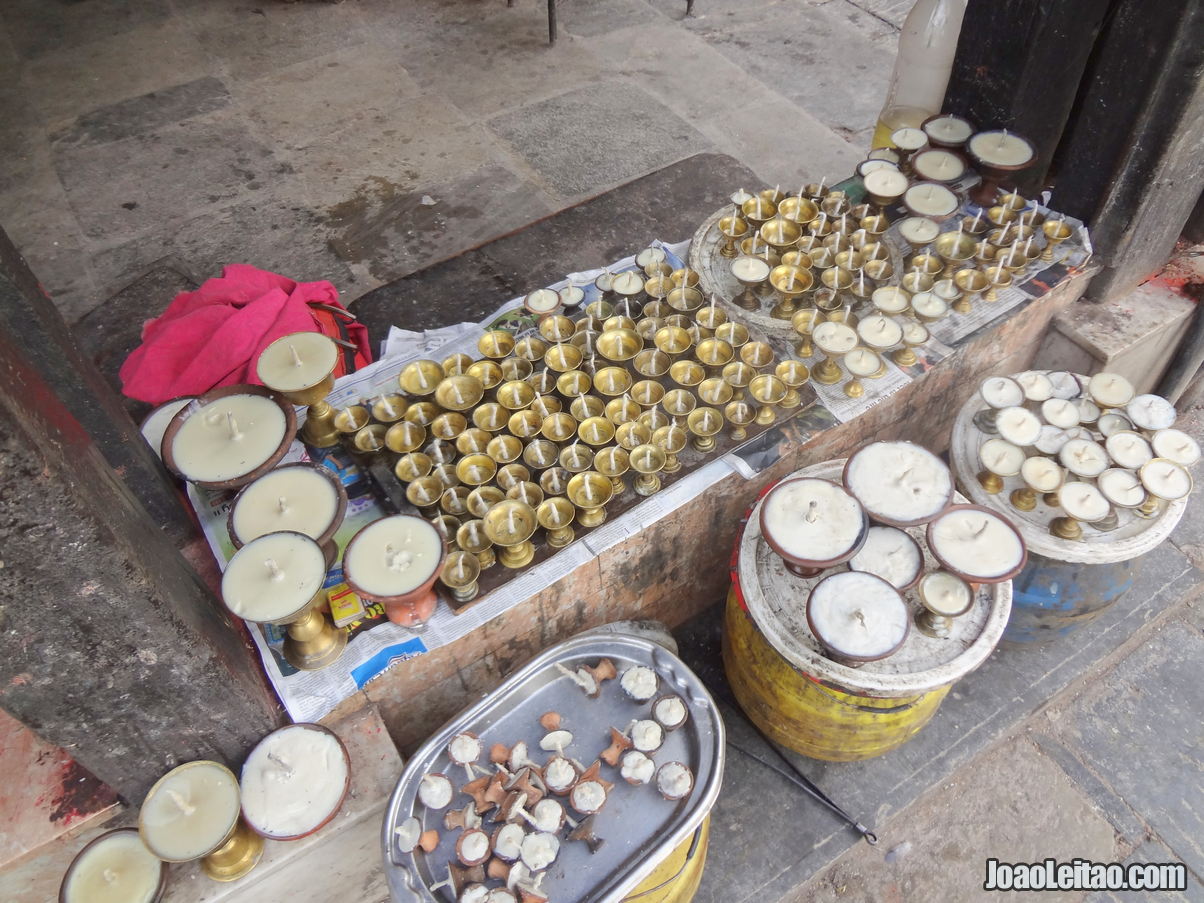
(890, 299)
(572, 295)
(857, 616)
(1128, 449)
(930, 199)
(1060, 412)
(189, 811)
(294, 781)
(1111, 390)
(228, 438)
(542, 300)
(1151, 412)
(1165, 479)
(1065, 385)
(834, 338)
(296, 497)
(155, 424)
(1084, 457)
(918, 230)
(750, 269)
(938, 166)
(949, 130)
(809, 519)
(1177, 446)
(1084, 502)
(298, 361)
(946, 594)
(1036, 386)
(1019, 426)
(914, 333)
(908, 138)
(1113, 423)
(1089, 411)
(649, 256)
(929, 306)
(862, 362)
(628, 283)
(1041, 474)
(899, 482)
(998, 148)
(273, 577)
(1121, 487)
(115, 868)
(1002, 392)
(976, 543)
(887, 182)
(880, 332)
(891, 554)
(393, 556)
(1001, 457)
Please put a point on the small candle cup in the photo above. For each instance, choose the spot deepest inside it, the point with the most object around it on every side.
(115, 867)
(460, 573)
(620, 345)
(799, 210)
(672, 439)
(862, 363)
(556, 515)
(891, 554)
(954, 248)
(1175, 445)
(651, 419)
(1122, 488)
(576, 458)
(455, 364)
(406, 436)
(685, 298)
(632, 435)
(738, 375)
(930, 200)
(732, 229)
(918, 231)
(833, 340)
(496, 344)
(751, 273)
(509, 525)
(459, 393)
(704, 423)
(447, 426)
(1081, 503)
(300, 366)
(768, 391)
(1000, 459)
(351, 419)
(885, 186)
(395, 561)
(419, 378)
(612, 381)
(740, 414)
(542, 302)
(470, 537)
(621, 410)
(481, 499)
(944, 596)
(1151, 413)
(589, 491)
(647, 460)
(413, 466)
(612, 463)
(804, 322)
(647, 393)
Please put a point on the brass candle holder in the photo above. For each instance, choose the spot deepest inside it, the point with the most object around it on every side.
(754, 246)
(658, 287)
(758, 211)
(576, 458)
(515, 395)
(849, 259)
(419, 379)
(481, 499)
(424, 494)
(1000, 215)
(685, 276)
(540, 454)
(715, 391)
(620, 345)
(596, 431)
(515, 368)
(647, 460)
(456, 364)
(584, 407)
(413, 466)
(915, 334)
(653, 419)
(779, 233)
(738, 375)
(803, 322)
(1056, 231)
(557, 329)
(632, 435)
(612, 381)
(459, 392)
(997, 278)
(589, 491)
(454, 500)
(351, 419)
(446, 475)
(791, 283)
(510, 476)
(651, 363)
(559, 427)
(767, 391)
(530, 349)
(704, 423)
(837, 279)
(647, 392)
(370, 438)
(572, 383)
(679, 402)
(862, 363)
(441, 451)
(757, 355)
(735, 334)
(448, 425)
(685, 298)
(525, 424)
(648, 327)
(733, 229)
(509, 525)
(403, 437)
(672, 439)
(490, 417)
(556, 515)
(955, 248)
(562, 357)
(385, 408)
(794, 375)
(622, 410)
(935, 618)
(496, 344)
(422, 413)
(319, 429)
(460, 572)
(471, 537)
(740, 414)
(527, 492)
(554, 481)
(971, 283)
(504, 449)
(545, 405)
(446, 525)
(798, 210)
(488, 372)
(476, 470)
(612, 463)
(915, 281)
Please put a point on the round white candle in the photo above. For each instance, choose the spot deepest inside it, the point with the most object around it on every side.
(1177, 446)
(834, 338)
(918, 230)
(750, 269)
(929, 305)
(946, 594)
(1036, 386)
(298, 361)
(976, 543)
(950, 130)
(1065, 385)
(228, 438)
(811, 520)
(890, 299)
(1121, 487)
(189, 811)
(542, 300)
(1019, 426)
(273, 576)
(649, 256)
(1001, 457)
(299, 499)
(887, 182)
(1060, 412)
(908, 138)
(1052, 439)
(857, 615)
(880, 332)
(293, 781)
(1128, 449)
(1111, 390)
(572, 295)
(393, 556)
(930, 199)
(998, 148)
(1041, 474)
(1151, 412)
(604, 281)
(628, 283)
(938, 166)
(946, 290)
(1084, 502)
(914, 333)
(1084, 457)
(155, 425)
(1165, 479)
(115, 868)
(899, 482)
(862, 362)
(865, 167)
(739, 196)
(1002, 392)
(1113, 423)
(891, 554)
(1089, 411)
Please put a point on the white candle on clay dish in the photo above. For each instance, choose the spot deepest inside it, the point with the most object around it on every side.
(750, 269)
(880, 332)
(649, 256)
(1121, 487)
(891, 554)
(294, 781)
(228, 438)
(1001, 392)
(862, 363)
(898, 482)
(918, 230)
(1001, 457)
(1177, 446)
(1036, 386)
(857, 616)
(887, 182)
(938, 166)
(998, 148)
(1110, 390)
(1041, 474)
(115, 868)
(298, 498)
(572, 295)
(604, 282)
(948, 130)
(810, 519)
(946, 594)
(1019, 426)
(393, 556)
(542, 301)
(1151, 412)
(929, 306)
(1113, 423)
(1065, 385)
(1084, 502)
(908, 138)
(890, 299)
(1060, 412)
(1084, 458)
(155, 424)
(628, 283)
(190, 811)
(1165, 479)
(296, 362)
(834, 338)
(976, 543)
(930, 199)
(273, 577)
(1128, 449)
(865, 167)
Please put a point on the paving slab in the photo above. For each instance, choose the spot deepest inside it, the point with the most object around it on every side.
(589, 18)
(144, 113)
(1148, 852)
(41, 26)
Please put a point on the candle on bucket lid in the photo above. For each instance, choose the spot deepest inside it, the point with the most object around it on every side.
(946, 594)
(857, 616)
(1060, 412)
(1177, 446)
(296, 362)
(189, 811)
(1128, 449)
(228, 438)
(1121, 487)
(1151, 412)
(296, 497)
(1036, 386)
(273, 577)
(891, 554)
(1001, 392)
(114, 868)
(812, 520)
(294, 781)
(1084, 502)
(1041, 474)
(1165, 479)
(976, 543)
(1084, 457)
(1019, 426)
(393, 556)
(1110, 390)
(1001, 457)
(899, 483)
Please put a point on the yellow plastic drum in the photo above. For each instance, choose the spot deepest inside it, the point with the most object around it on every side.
(677, 876)
(823, 709)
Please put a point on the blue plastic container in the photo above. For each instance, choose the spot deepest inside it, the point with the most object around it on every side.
(1051, 599)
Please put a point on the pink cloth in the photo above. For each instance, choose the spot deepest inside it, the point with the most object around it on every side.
(213, 336)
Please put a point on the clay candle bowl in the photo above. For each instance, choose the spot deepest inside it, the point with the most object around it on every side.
(899, 484)
(976, 544)
(300, 497)
(294, 782)
(812, 524)
(857, 618)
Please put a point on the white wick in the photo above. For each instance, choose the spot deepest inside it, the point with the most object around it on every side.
(282, 505)
(812, 511)
(276, 575)
(182, 804)
(233, 425)
(296, 357)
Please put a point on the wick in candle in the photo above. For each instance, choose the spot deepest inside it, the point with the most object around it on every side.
(384, 403)
(510, 520)
(977, 533)
(459, 396)
(110, 876)
(903, 476)
(859, 615)
(397, 561)
(296, 357)
(812, 511)
(274, 571)
(282, 505)
(182, 804)
(1002, 138)
(233, 426)
(822, 181)
(282, 762)
(977, 218)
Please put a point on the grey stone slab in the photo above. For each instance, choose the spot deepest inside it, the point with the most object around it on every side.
(37, 27)
(1144, 729)
(1151, 852)
(150, 111)
(589, 18)
(891, 11)
(721, 9)
(590, 139)
(1188, 535)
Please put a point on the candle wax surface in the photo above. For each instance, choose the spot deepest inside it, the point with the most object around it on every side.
(1019, 426)
(836, 523)
(930, 199)
(944, 593)
(929, 305)
(1001, 457)
(1052, 439)
(1110, 389)
(542, 300)
(890, 299)
(949, 129)
(938, 165)
(1084, 457)
(156, 424)
(292, 781)
(1113, 423)
(834, 338)
(251, 589)
(572, 295)
(309, 504)
(1041, 474)
(750, 268)
(1060, 413)
(946, 289)
(976, 543)
(914, 333)
(857, 615)
(919, 230)
(627, 283)
(1121, 487)
(1002, 392)
(887, 182)
(1065, 385)
(393, 556)
(1036, 386)
(1128, 449)
(899, 481)
(1151, 412)
(1165, 479)
(909, 139)
(116, 869)
(649, 255)
(1177, 446)
(296, 362)
(891, 554)
(862, 362)
(206, 451)
(880, 332)
(1000, 149)
(190, 812)
(1084, 502)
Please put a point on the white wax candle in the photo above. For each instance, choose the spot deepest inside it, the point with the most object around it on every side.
(891, 554)
(908, 138)
(1084, 502)
(1113, 423)
(1088, 410)
(273, 577)
(1036, 386)
(862, 362)
(604, 281)
(1001, 457)
(950, 130)
(918, 230)
(293, 781)
(1065, 385)
(890, 299)
(899, 482)
(929, 305)
(572, 295)
(887, 182)
(296, 498)
(1041, 474)
(628, 283)
(1151, 412)
(1019, 426)
(393, 556)
(1052, 439)
(1060, 412)
(998, 148)
(1001, 392)
(1121, 487)
(750, 269)
(649, 256)
(1165, 479)
(1177, 446)
(880, 332)
(938, 166)
(739, 196)
(189, 811)
(930, 199)
(976, 543)
(1110, 390)
(946, 290)
(298, 361)
(946, 594)
(542, 300)
(914, 333)
(228, 438)
(1083, 457)
(857, 615)
(834, 338)
(155, 425)
(1128, 449)
(865, 167)
(115, 868)
(811, 520)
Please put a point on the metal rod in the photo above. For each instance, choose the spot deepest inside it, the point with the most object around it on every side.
(551, 21)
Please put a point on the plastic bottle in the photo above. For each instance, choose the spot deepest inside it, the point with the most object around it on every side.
(927, 45)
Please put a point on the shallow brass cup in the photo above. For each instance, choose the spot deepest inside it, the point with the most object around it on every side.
(403, 437)
(590, 491)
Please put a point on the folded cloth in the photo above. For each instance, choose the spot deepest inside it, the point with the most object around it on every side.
(213, 336)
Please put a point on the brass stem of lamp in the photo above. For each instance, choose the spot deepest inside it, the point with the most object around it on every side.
(239, 853)
(459, 575)
(1024, 499)
(1066, 528)
(990, 482)
(313, 641)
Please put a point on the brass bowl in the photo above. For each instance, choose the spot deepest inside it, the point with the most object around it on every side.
(509, 522)
(599, 310)
(590, 491)
(797, 258)
(679, 402)
(454, 500)
(618, 321)
(447, 425)
(1055, 229)
(704, 423)
(542, 381)
(916, 281)
(971, 281)
(460, 573)
(459, 393)
(879, 270)
(756, 355)
(672, 340)
(654, 419)
(835, 204)
(584, 407)
(791, 281)
(370, 438)
(557, 328)
(471, 537)
(715, 391)
(559, 427)
(792, 373)
(572, 383)
(576, 458)
(540, 453)
(837, 278)
(425, 492)
(686, 298)
(350, 419)
(515, 368)
(755, 247)
(441, 451)
(685, 276)
(554, 481)
(490, 417)
(413, 466)
(647, 392)
(525, 424)
(622, 410)
(658, 287)
(620, 344)
(388, 408)
(647, 459)
(401, 437)
(767, 389)
(422, 413)
(612, 461)
(822, 258)
(780, 233)
(738, 374)
(740, 414)
(735, 334)
(473, 441)
(647, 328)
(488, 372)
(555, 513)
(511, 475)
(671, 438)
(496, 344)
(711, 352)
(596, 431)
(475, 470)
(710, 317)
(420, 378)
(611, 381)
(929, 263)
(546, 405)
(632, 435)
(875, 224)
(456, 364)
(837, 242)
(446, 474)
(799, 210)
(481, 499)
(687, 373)
(850, 260)
(530, 349)
(515, 395)
(651, 363)
(504, 449)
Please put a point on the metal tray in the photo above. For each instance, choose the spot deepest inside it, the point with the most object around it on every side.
(639, 826)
